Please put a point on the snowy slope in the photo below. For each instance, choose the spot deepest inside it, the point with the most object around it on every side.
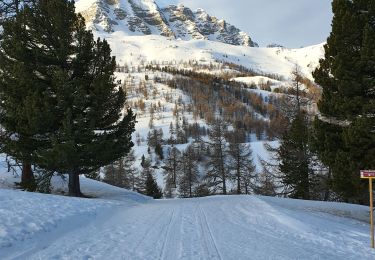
(141, 31)
(221, 227)
(142, 49)
(90, 188)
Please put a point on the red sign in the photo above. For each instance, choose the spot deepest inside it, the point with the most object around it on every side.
(368, 174)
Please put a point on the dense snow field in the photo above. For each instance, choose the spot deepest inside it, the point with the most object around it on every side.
(124, 225)
(156, 48)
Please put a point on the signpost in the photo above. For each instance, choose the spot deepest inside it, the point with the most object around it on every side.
(370, 174)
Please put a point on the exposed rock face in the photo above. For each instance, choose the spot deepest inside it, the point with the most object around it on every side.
(112, 2)
(120, 13)
(200, 25)
(150, 13)
(145, 17)
(137, 24)
(98, 14)
(275, 45)
(179, 13)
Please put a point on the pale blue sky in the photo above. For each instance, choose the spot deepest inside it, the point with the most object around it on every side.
(292, 23)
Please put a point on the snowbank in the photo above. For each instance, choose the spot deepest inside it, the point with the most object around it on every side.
(23, 214)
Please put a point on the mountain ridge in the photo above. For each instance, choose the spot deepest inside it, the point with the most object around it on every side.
(145, 17)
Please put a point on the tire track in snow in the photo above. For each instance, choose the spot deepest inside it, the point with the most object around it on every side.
(204, 223)
(205, 246)
(210, 233)
(152, 227)
(162, 253)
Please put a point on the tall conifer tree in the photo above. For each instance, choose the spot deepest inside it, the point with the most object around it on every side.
(294, 155)
(345, 131)
(26, 112)
(71, 116)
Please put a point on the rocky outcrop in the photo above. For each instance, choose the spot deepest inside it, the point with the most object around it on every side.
(136, 24)
(98, 16)
(150, 14)
(120, 13)
(200, 25)
(145, 17)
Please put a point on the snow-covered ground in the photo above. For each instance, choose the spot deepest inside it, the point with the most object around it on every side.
(38, 226)
(120, 224)
(153, 48)
(259, 81)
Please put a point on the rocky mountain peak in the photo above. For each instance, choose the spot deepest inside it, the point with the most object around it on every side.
(144, 17)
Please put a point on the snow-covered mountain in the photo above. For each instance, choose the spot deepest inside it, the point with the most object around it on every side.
(145, 17)
(141, 31)
(150, 40)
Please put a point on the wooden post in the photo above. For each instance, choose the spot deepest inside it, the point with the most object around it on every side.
(370, 175)
(371, 213)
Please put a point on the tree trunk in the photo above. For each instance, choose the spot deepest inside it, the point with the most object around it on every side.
(27, 178)
(224, 183)
(306, 189)
(238, 184)
(222, 169)
(238, 175)
(190, 184)
(327, 192)
(74, 186)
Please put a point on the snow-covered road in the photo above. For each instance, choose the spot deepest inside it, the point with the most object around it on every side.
(230, 227)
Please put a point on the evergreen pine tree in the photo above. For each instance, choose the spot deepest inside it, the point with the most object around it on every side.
(65, 106)
(159, 151)
(344, 132)
(142, 178)
(143, 160)
(294, 155)
(152, 188)
(26, 107)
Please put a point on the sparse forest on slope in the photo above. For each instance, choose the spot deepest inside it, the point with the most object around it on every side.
(180, 92)
(178, 105)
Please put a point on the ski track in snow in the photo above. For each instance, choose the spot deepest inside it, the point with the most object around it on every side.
(230, 227)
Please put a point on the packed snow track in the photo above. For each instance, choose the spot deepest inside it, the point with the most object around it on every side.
(230, 227)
